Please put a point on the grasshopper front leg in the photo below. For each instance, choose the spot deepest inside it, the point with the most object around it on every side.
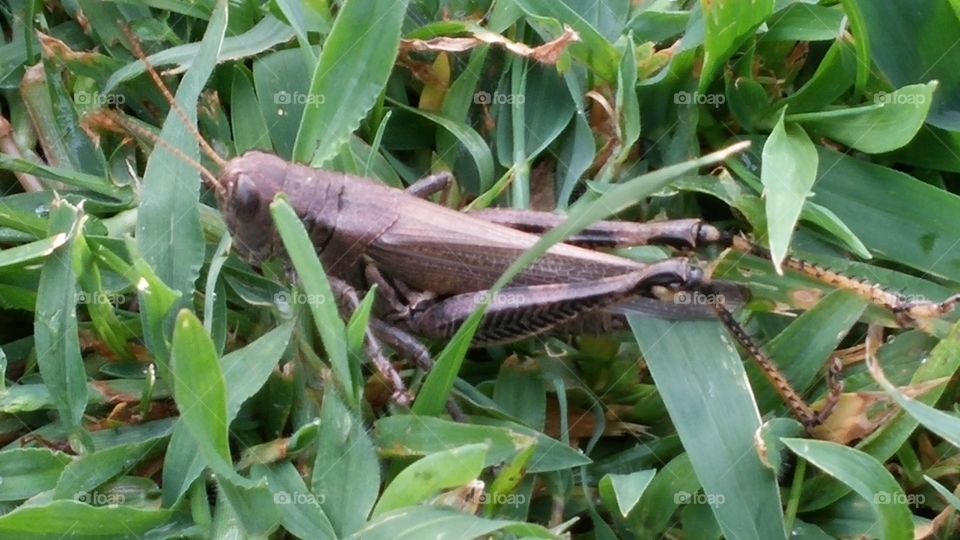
(519, 312)
(348, 302)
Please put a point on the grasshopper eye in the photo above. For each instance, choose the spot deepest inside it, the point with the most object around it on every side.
(245, 197)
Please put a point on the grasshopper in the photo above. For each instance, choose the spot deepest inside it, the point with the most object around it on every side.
(434, 265)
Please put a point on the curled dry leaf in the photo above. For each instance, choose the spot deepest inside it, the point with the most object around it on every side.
(8, 145)
(466, 498)
(55, 48)
(548, 53)
(859, 414)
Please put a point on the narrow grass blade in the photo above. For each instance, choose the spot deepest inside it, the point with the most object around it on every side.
(300, 511)
(58, 346)
(245, 371)
(928, 26)
(201, 396)
(411, 435)
(346, 473)
(943, 424)
(168, 219)
(789, 171)
(433, 522)
(431, 474)
(702, 382)
(728, 26)
(323, 307)
(889, 123)
(91, 470)
(354, 66)
(472, 141)
(594, 50)
(76, 179)
(34, 250)
(896, 215)
(80, 521)
(200, 390)
(268, 33)
(29, 471)
(865, 475)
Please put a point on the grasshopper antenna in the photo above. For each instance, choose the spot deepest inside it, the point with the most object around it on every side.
(125, 125)
(138, 51)
(907, 312)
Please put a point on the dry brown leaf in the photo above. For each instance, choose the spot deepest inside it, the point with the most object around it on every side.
(548, 53)
(855, 416)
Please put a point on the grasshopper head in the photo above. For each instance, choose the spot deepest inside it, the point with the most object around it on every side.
(246, 188)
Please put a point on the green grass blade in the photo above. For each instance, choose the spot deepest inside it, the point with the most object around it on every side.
(789, 171)
(945, 425)
(728, 26)
(426, 477)
(894, 214)
(347, 459)
(866, 476)
(267, 34)
(470, 139)
(437, 522)
(332, 330)
(892, 121)
(354, 65)
(300, 511)
(245, 371)
(97, 184)
(702, 382)
(58, 347)
(168, 221)
(594, 50)
(928, 26)
(29, 471)
(83, 522)
(200, 390)
(34, 250)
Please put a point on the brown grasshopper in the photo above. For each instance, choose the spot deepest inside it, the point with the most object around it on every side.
(434, 265)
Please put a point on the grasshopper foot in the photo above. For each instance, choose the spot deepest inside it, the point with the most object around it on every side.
(908, 314)
(835, 385)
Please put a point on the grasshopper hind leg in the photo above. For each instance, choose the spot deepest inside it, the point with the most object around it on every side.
(798, 406)
(516, 313)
